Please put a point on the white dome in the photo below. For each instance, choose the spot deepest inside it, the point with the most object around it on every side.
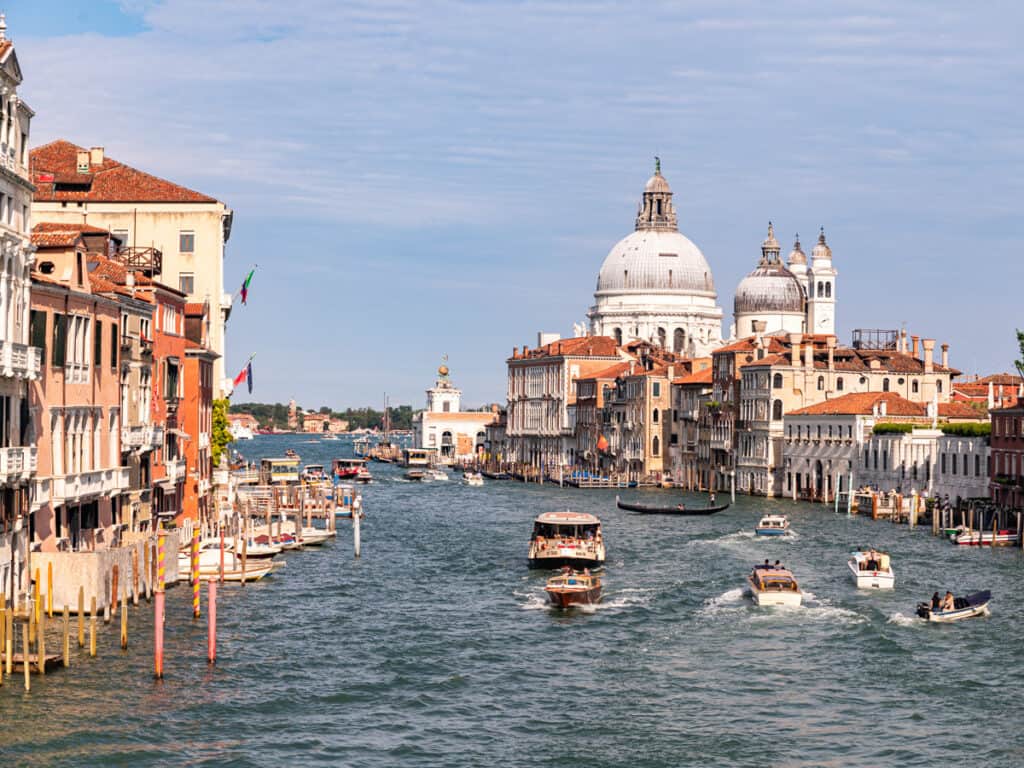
(658, 260)
(769, 288)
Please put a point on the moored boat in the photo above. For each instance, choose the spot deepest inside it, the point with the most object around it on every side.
(566, 538)
(774, 586)
(772, 525)
(1001, 537)
(678, 509)
(872, 570)
(348, 469)
(572, 588)
(969, 607)
(313, 473)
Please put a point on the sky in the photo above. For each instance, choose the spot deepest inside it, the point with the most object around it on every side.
(417, 179)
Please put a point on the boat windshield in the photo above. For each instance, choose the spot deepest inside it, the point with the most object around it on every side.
(569, 531)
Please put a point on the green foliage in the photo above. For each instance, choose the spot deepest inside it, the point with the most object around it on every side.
(275, 416)
(968, 429)
(269, 416)
(221, 435)
(1019, 363)
(892, 428)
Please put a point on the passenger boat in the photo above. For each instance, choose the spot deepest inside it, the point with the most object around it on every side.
(678, 509)
(474, 479)
(277, 471)
(566, 538)
(314, 473)
(349, 469)
(1002, 537)
(772, 525)
(975, 604)
(774, 586)
(871, 570)
(572, 588)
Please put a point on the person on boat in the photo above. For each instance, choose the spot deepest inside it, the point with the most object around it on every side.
(948, 602)
(936, 602)
(712, 497)
(778, 565)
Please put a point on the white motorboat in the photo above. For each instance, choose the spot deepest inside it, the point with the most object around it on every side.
(774, 586)
(474, 479)
(972, 606)
(872, 570)
(435, 474)
(314, 537)
(210, 566)
(772, 525)
(963, 536)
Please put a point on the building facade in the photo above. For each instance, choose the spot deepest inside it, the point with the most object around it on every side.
(1006, 478)
(453, 434)
(190, 230)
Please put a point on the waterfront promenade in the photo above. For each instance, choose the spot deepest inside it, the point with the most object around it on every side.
(436, 648)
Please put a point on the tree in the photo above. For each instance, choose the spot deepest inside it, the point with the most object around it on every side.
(220, 435)
(1020, 362)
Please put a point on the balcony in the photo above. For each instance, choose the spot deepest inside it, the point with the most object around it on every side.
(86, 485)
(142, 436)
(20, 360)
(18, 462)
(149, 261)
(175, 470)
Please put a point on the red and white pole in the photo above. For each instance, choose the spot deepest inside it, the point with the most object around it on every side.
(158, 609)
(211, 632)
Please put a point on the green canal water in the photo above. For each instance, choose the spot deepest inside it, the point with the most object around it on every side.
(436, 649)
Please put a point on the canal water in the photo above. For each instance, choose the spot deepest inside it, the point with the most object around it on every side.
(436, 648)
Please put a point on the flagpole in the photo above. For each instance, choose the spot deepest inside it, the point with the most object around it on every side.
(239, 291)
(245, 367)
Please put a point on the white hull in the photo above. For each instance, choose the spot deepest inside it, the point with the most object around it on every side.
(782, 599)
(872, 579)
(945, 617)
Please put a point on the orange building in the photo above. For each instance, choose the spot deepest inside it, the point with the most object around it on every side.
(169, 466)
(196, 415)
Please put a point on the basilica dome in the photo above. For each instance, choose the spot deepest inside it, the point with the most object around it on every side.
(769, 288)
(655, 260)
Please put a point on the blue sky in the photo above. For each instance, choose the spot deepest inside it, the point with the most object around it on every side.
(421, 178)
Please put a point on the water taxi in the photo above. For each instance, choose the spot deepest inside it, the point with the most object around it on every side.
(474, 479)
(872, 570)
(772, 525)
(210, 566)
(566, 538)
(314, 473)
(572, 588)
(276, 471)
(774, 586)
(1001, 537)
(436, 474)
(418, 475)
(351, 469)
(418, 457)
(969, 607)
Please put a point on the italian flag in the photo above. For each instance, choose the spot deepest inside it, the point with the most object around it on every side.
(245, 285)
(244, 375)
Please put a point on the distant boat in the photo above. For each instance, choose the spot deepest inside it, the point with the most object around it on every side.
(678, 509)
(474, 479)
(772, 525)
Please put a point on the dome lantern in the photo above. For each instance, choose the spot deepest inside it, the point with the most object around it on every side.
(656, 210)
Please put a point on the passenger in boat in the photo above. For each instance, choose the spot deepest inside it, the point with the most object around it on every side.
(948, 602)
(778, 565)
(712, 497)
(936, 602)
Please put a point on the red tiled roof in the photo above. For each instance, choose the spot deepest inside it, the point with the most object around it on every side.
(582, 346)
(863, 403)
(959, 411)
(64, 226)
(195, 308)
(55, 239)
(115, 271)
(109, 181)
(703, 376)
(611, 372)
(1004, 379)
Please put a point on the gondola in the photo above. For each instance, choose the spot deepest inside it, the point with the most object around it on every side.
(676, 510)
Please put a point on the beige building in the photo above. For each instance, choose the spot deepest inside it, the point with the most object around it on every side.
(445, 429)
(172, 233)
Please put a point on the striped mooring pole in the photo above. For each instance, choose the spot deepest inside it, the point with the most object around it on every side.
(158, 609)
(195, 574)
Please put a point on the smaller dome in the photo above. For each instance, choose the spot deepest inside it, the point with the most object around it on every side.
(797, 255)
(657, 183)
(769, 288)
(442, 370)
(821, 250)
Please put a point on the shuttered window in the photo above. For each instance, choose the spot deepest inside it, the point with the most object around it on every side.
(37, 330)
(60, 338)
(97, 350)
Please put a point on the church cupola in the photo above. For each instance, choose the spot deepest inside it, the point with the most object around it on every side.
(770, 247)
(656, 211)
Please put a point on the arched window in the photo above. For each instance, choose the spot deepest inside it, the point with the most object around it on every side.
(777, 381)
(828, 290)
(821, 289)
(821, 383)
(885, 385)
(655, 416)
(618, 335)
(662, 338)
(678, 340)
(656, 446)
(777, 410)
(839, 384)
(914, 386)
(938, 385)
(659, 207)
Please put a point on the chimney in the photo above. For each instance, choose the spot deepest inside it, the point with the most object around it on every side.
(928, 345)
(830, 342)
(82, 163)
(913, 349)
(991, 397)
(632, 367)
(945, 355)
(671, 373)
(96, 156)
(515, 352)
(809, 355)
(794, 347)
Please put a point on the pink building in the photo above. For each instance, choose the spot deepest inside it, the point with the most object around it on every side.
(75, 404)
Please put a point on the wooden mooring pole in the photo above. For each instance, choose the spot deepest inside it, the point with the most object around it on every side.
(81, 617)
(92, 627)
(67, 636)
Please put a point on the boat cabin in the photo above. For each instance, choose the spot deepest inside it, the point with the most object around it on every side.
(418, 457)
(566, 525)
(276, 471)
(566, 538)
(773, 580)
(313, 472)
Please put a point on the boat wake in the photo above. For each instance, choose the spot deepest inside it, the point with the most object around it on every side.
(727, 601)
(725, 540)
(823, 610)
(617, 599)
(902, 620)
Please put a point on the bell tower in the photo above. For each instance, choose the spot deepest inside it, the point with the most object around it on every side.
(821, 289)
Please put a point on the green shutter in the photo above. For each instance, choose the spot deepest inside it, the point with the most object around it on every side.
(97, 352)
(113, 345)
(37, 325)
(60, 338)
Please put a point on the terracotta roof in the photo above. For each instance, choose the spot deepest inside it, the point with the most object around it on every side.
(582, 346)
(698, 377)
(64, 226)
(863, 403)
(109, 181)
(1005, 379)
(115, 271)
(611, 372)
(55, 239)
(959, 411)
(195, 308)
